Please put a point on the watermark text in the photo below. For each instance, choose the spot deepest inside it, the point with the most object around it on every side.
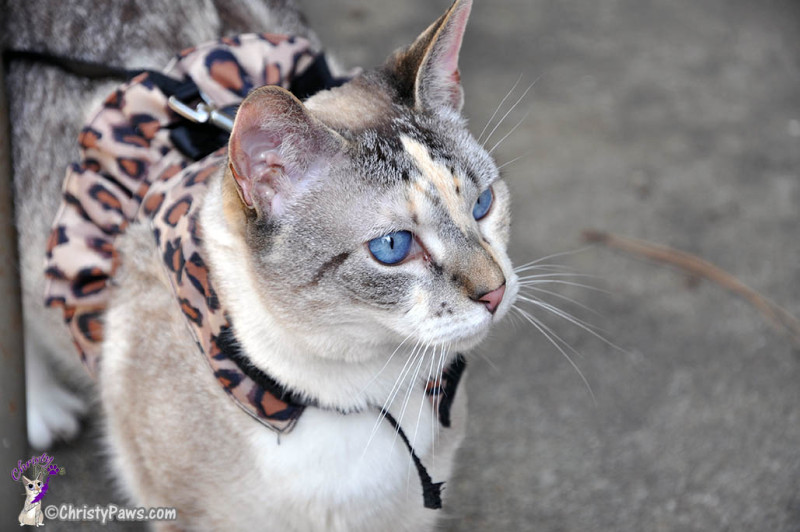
(109, 512)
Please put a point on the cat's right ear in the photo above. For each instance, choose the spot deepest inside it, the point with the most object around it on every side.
(26, 479)
(427, 71)
(276, 148)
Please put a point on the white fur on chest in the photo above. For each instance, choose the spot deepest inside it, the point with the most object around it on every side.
(344, 472)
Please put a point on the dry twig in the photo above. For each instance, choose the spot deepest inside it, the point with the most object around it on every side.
(778, 317)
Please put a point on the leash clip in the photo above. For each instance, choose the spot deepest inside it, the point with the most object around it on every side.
(204, 113)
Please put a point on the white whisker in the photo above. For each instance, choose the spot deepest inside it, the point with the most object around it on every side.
(561, 313)
(388, 360)
(548, 275)
(588, 327)
(551, 332)
(542, 329)
(512, 161)
(544, 267)
(562, 297)
(422, 404)
(554, 255)
(513, 129)
(509, 111)
(560, 281)
(392, 394)
(409, 392)
(499, 106)
(440, 367)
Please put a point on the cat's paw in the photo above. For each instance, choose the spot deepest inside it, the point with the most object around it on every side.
(53, 415)
(53, 411)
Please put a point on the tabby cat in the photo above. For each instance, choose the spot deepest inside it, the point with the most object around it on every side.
(357, 241)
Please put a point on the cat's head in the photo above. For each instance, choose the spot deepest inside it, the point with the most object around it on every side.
(32, 486)
(370, 210)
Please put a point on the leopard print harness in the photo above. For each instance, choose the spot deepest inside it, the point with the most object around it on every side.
(141, 162)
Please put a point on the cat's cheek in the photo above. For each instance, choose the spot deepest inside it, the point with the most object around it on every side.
(498, 223)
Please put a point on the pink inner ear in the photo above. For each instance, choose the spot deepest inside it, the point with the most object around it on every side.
(443, 59)
(448, 61)
(257, 165)
(273, 146)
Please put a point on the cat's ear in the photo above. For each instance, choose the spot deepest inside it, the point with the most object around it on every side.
(430, 64)
(276, 148)
(26, 479)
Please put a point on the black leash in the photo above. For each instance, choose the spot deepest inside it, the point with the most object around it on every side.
(78, 67)
(195, 140)
(431, 491)
(201, 129)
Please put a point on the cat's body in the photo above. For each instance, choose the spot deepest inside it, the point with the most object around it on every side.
(31, 513)
(290, 230)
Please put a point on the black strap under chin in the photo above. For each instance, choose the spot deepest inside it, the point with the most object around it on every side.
(431, 491)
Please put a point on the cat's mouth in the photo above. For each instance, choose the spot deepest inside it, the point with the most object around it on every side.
(460, 335)
(465, 333)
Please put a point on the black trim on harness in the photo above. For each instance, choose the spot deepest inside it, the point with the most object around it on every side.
(453, 374)
(229, 345)
(317, 77)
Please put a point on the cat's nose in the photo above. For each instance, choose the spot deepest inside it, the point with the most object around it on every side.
(493, 298)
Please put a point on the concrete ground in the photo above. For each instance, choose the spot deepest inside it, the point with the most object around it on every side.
(673, 121)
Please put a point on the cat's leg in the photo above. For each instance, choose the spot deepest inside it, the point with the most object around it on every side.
(25, 518)
(53, 408)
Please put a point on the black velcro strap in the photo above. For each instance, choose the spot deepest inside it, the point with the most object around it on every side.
(317, 77)
(196, 140)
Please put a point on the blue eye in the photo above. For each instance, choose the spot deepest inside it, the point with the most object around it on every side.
(391, 248)
(483, 204)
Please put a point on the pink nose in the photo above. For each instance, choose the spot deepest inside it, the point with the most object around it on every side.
(492, 299)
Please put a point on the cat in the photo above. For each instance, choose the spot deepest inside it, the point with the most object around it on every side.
(338, 231)
(31, 513)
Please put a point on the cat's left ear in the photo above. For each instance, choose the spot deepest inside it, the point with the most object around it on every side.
(432, 61)
(276, 149)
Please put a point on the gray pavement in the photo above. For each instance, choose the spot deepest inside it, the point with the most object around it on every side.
(674, 121)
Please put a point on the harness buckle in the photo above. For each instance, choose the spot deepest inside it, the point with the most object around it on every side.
(204, 113)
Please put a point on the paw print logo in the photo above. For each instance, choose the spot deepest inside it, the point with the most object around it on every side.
(53, 469)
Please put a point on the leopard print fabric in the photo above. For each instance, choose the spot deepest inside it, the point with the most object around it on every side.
(130, 171)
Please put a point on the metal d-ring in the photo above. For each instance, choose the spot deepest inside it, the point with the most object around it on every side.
(204, 113)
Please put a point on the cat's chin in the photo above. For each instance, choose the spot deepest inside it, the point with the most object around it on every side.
(460, 338)
(470, 342)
